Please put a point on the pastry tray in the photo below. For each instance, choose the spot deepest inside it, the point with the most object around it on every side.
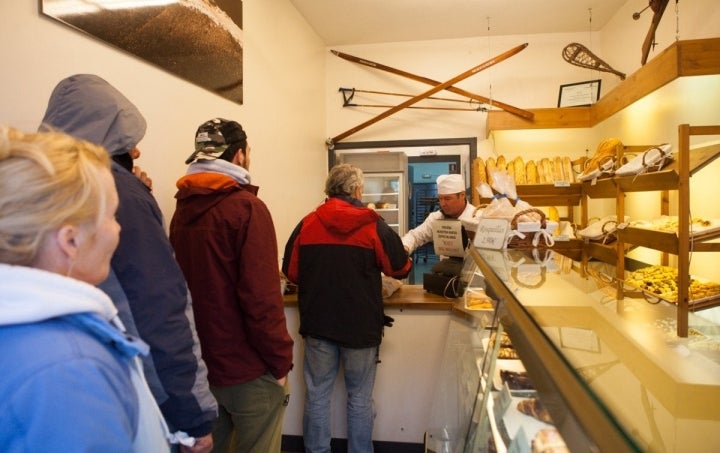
(696, 229)
(654, 298)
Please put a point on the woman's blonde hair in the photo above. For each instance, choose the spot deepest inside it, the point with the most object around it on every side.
(47, 180)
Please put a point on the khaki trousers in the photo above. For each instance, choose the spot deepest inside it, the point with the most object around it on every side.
(250, 416)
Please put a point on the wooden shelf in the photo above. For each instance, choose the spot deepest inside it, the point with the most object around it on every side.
(547, 194)
(674, 177)
(682, 58)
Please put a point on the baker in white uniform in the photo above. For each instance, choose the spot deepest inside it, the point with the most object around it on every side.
(453, 205)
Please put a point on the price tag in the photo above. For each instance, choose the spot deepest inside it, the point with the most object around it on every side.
(503, 399)
(491, 233)
(520, 443)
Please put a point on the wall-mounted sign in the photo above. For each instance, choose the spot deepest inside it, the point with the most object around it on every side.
(579, 94)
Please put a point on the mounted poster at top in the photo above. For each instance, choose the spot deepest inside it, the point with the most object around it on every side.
(200, 41)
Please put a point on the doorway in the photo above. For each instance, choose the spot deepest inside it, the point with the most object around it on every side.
(425, 160)
(423, 171)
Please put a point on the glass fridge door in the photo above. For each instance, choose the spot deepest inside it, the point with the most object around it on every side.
(385, 193)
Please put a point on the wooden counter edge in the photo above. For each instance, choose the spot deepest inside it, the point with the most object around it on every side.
(412, 297)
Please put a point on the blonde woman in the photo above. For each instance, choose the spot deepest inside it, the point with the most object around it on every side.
(70, 375)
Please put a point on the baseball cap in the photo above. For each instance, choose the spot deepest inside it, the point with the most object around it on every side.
(214, 137)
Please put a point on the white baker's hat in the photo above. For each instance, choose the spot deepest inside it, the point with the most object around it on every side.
(449, 184)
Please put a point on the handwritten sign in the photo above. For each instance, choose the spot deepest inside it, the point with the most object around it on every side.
(447, 238)
(491, 233)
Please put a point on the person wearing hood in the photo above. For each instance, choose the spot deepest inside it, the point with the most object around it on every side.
(145, 282)
(336, 255)
(225, 242)
(72, 380)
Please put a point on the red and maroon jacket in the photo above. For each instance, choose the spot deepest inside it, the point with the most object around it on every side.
(224, 240)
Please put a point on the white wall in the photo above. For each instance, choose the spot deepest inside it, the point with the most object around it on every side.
(283, 110)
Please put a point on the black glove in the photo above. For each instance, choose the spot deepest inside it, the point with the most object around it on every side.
(388, 321)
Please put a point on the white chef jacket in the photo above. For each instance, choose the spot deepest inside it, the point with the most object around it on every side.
(422, 234)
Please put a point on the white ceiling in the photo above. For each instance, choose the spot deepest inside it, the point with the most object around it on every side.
(342, 22)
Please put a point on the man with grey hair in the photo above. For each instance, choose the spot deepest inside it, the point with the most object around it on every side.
(336, 255)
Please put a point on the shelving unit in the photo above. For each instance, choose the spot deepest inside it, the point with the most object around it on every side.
(675, 177)
(682, 58)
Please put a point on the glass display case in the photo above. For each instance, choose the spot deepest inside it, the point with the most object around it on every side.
(583, 368)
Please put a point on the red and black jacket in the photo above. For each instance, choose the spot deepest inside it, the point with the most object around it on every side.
(336, 255)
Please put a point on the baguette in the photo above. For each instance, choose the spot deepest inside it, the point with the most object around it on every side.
(501, 162)
(608, 150)
(567, 168)
(519, 171)
(490, 168)
(478, 176)
(531, 172)
(548, 170)
(558, 173)
(542, 178)
(554, 216)
(481, 173)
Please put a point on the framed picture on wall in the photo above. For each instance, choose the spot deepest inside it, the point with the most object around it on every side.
(200, 41)
(579, 94)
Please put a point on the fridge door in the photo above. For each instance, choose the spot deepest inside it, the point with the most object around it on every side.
(385, 192)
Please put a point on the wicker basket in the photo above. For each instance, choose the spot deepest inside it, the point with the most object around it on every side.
(527, 242)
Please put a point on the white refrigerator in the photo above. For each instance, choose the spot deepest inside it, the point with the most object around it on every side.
(386, 184)
(385, 192)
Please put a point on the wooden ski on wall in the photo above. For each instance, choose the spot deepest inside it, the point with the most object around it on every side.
(508, 108)
(349, 94)
(420, 97)
(658, 8)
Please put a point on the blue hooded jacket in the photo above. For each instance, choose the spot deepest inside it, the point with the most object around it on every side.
(70, 378)
(146, 283)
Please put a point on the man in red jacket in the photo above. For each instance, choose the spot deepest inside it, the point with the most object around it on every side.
(224, 240)
(336, 255)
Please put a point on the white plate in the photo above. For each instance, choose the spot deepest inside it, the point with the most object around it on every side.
(514, 419)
